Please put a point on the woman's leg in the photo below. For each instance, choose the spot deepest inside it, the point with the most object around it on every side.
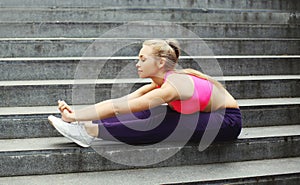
(231, 126)
(91, 129)
(225, 124)
(159, 123)
(141, 128)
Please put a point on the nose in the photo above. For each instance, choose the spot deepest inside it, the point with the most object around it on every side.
(137, 65)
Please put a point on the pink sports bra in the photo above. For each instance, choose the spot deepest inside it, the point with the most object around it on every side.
(198, 101)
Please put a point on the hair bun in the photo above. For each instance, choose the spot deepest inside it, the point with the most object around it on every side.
(175, 45)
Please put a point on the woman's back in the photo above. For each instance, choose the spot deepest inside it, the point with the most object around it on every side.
(220, 99)
(198, 94)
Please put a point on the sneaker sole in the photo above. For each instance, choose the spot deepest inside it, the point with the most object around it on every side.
(70, 138)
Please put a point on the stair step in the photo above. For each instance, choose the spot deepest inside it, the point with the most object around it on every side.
(113, 67)
(97, 29)
(81, 81)
(6, 111)
(51, 143)
(268, 102)
(57, 47)
(40, 63)
(274, 131)
(141, 13)
(31, 122)
(258, 171)
(230, 4)
(47, 92)
(58, 155)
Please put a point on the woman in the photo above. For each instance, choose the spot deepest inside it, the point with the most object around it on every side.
(187, 92)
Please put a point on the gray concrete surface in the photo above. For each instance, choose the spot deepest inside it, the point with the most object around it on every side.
(31, 122)
(47, 92)
(87, 29)
(89, 47)
(12, 69)
(231, 4)
(196, 173)
(237, 28)
(157, 14)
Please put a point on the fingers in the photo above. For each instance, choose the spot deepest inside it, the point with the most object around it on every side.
(67, 116)
(62, 106)
(65, 111)
(66, 107)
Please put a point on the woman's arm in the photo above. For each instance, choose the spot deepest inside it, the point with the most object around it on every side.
(141, 91)
(156, 97)
(142, 99)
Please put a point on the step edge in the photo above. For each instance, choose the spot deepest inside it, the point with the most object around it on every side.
(137, 80)
(145, 38)
(28, 59)
(221, 173)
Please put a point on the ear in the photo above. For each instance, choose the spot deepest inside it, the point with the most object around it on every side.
(162, 63)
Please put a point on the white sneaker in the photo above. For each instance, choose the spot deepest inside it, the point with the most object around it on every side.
(73, 131)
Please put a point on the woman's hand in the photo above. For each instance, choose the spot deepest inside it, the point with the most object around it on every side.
(62, 105)
(67, 114)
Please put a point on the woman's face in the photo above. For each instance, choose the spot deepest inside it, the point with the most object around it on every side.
(148, 65)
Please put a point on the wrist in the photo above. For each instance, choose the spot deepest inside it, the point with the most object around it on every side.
(72, 117)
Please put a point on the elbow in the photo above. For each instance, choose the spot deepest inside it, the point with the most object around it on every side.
(119, 106)
(107, 109)
(116, 110)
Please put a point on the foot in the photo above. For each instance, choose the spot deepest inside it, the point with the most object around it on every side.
(74, 131)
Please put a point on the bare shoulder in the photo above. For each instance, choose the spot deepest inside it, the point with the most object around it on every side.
(179, 79)
(183, 83)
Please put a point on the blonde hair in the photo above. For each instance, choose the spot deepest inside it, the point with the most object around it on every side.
(170, 50)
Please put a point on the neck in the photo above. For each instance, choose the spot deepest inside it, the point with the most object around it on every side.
(159, 78)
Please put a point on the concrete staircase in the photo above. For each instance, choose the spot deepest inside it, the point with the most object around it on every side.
(43, 43)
